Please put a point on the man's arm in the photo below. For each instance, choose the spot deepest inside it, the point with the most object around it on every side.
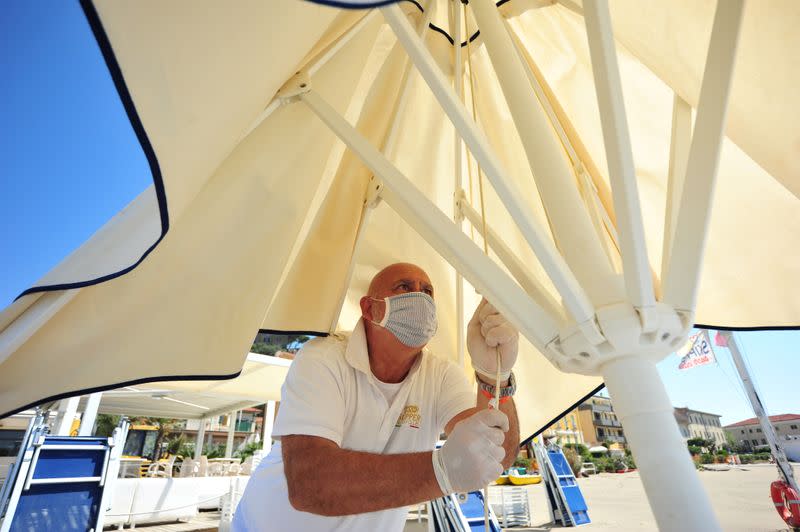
(328, 480)
(511, 442)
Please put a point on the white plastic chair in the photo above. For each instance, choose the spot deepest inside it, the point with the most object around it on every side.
(162, 469)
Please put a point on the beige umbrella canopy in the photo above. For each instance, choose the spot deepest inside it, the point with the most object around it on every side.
(260, 381)
(268, 222)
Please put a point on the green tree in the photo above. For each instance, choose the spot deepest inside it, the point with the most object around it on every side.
(164, 426)
(249, 450)
(105, 425)
(264, 349)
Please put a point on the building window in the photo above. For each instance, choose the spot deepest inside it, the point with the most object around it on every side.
(742, 431)
(755, 442)
(750, 431)
(793, 427)
(758, 430)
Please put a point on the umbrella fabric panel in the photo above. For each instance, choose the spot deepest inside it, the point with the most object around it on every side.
(740, 287)
(192, 307)
(671, 39)
(195, 305)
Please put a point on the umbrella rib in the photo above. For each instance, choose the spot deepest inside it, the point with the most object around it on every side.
(572, 228)
(511, 261)
(680, 141)
(441, 233)
(575, 298)
(320, 60)
(388, 145)
(682, 277)
(630, 227)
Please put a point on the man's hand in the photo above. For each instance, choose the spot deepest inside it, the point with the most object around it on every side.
(487, 333)
(471, 457)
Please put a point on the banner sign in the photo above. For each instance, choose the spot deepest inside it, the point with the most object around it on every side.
(696, 352)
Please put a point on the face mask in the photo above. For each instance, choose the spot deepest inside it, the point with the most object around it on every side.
(410, 317)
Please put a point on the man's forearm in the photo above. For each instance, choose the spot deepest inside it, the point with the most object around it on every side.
(327, 480)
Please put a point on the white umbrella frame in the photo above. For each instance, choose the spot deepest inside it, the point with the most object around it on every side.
(605, 326)
(618, 338)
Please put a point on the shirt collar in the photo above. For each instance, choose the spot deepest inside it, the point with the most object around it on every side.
(357, 354)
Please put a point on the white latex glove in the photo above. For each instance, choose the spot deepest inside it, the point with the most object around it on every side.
(472, 455)
(488, 332)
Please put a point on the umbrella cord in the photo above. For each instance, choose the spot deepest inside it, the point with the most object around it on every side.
(496, 402)
(469, 159)
(497, 406)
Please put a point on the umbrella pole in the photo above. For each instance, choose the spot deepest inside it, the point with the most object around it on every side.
(673, 487)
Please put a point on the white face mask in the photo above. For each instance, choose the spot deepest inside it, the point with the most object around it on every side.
(410, 317)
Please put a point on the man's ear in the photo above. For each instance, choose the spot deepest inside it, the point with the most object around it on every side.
(366, 307)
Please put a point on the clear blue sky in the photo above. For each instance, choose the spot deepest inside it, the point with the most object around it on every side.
(69, 161)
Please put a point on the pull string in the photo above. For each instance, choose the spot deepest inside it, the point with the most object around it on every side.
(469, 157)
(495, 403)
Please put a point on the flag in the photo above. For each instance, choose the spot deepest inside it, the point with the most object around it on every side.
(720, 340)
(696, 352)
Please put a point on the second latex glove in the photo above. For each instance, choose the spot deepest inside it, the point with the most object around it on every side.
(488, 332)
(472, 455)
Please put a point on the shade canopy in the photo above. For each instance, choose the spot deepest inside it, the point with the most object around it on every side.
(253, 221)
(260, 381)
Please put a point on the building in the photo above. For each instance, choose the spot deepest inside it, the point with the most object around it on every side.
(567, 429)
(697, 424)
(247, 429)
(599, 423)
(748, 433)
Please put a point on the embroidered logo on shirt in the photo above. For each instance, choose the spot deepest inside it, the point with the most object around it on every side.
(410, 416)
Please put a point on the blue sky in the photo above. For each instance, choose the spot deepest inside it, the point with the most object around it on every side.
(69, 161)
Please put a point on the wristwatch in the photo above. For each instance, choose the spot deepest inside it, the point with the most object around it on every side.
(505, 391)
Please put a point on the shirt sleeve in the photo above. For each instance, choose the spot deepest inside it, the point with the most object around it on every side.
(455, 395)
(312, 397)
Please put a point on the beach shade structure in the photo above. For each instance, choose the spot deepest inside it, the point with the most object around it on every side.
(260, 381)
(630, 164)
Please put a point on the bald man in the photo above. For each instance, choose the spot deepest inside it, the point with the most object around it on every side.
(361, 413)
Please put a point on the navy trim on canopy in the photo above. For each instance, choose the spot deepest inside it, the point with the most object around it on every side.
(130, 108)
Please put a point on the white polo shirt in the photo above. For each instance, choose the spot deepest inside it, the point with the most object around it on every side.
(331, 392)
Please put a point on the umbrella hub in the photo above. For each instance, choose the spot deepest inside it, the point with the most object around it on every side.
(617, 331)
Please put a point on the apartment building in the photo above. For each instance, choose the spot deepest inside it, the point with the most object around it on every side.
(567, 429)
(748, 432)
(599, 423)
(697, 424)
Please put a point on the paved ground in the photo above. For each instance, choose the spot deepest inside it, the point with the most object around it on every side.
(618, 502)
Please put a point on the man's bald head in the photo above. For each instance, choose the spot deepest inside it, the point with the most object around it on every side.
(400, 278)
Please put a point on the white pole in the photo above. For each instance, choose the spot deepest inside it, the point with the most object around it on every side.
(673, 488)
(575, 298)
(201, 436)
(630, 227)
(231, 431)
(269, 423)
(572, 228)
(24, 326)
(458, 85)
(682, 277)
(680, 140)
(66, 415)
(784, 467)
(90, 414)
(432, 224)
